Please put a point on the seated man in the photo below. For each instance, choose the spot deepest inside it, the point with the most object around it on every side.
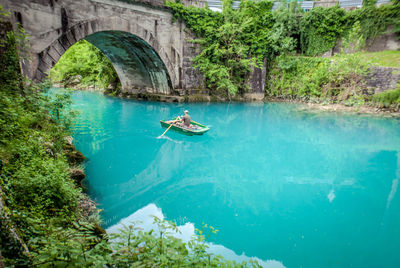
(185, 120)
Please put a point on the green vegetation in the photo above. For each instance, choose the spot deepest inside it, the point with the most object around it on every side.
(320, 29)
(388, 99)
(84, 65)
(334, 79)
(81, 247)
(337, 79)
(232, 41)
(35, 181)
(388, 58)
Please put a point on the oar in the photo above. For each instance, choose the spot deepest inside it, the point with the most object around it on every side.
(168, 128)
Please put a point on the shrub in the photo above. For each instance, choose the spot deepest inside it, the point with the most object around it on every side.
(333, 79)
(320, 29)
(388, 99)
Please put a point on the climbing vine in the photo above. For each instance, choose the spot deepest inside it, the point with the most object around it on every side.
(374, 20)
(320, 29)
(231, 42)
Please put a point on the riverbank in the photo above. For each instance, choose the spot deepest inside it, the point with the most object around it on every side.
(337, 107)
(362, 82)
(41, 195)
(366, 108)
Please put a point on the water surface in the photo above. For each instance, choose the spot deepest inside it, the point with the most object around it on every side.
(304, 189)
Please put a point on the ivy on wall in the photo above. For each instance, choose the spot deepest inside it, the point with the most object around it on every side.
(231, 42)
(234, 40)
(320, 29)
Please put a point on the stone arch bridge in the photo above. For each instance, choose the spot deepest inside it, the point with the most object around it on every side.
(149, 52)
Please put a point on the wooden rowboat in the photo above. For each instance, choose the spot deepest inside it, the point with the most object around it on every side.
(197, 129)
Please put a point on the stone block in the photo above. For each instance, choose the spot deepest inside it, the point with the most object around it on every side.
(257, 78)
(53, 53)
(381, 79)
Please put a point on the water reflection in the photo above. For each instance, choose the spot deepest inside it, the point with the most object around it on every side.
(144, 218)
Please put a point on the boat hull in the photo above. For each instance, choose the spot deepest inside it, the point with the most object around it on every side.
(184, 130)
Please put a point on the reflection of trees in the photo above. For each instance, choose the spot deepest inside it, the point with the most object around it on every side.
(91, 123)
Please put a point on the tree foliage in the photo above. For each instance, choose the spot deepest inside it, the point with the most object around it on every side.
(84, 62)
(320, 29)
(336, 79)
(287, 26)
(231, 42)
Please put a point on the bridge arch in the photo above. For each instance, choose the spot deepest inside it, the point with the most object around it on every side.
(141, 63)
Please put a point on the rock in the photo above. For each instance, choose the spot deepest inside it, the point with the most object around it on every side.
(69, 140)
(86, 206)
(75, 157)
(77, 175)
(254, 96)
(381, 79)
(327, 54)
(72, 154)
(76, 79)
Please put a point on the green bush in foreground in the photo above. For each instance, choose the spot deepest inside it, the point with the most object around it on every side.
(132, 247)
(34, 176)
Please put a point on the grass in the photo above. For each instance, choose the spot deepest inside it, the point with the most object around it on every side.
(387, 58)
(387, 99)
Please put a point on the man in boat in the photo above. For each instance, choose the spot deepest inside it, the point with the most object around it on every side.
(185, 120)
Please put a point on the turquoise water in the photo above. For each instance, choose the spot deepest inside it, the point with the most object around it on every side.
(304, 189)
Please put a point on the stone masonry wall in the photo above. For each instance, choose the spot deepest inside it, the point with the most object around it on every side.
(381, 79)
